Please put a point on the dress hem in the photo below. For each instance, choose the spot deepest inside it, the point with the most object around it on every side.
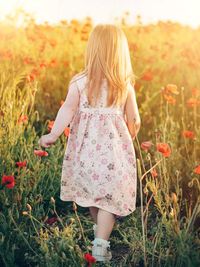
(97, 206)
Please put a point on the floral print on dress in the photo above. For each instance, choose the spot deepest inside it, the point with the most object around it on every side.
(99, 164)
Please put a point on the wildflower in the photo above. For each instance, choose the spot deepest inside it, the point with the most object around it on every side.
(192, 102)
(197, 170)
(89, 258)
(8, 181)
(43, 65)
(53, 63)
(164, 149)
(154, 173)
(170, 99)
(67, 131)
(51, 220)
(41, 153)
(188, 134)
(146, 145)
(22, 118)
(21, 164)
(50, 125)
(147, 76)
(195, 92)
(30, 77)
(171, 88)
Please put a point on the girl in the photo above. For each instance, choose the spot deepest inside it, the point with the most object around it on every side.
(99, 166)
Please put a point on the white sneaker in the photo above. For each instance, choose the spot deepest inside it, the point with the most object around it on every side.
(101, 252)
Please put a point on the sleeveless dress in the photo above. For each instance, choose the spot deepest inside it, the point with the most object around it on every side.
(99, 165)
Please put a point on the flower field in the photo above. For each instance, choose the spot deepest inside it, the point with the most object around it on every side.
(36, 227)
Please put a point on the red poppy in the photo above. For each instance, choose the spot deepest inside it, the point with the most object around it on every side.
(43, 65)
(52, 220)
(30, 77)
(41, 153)
(67, 131)
(195, 91)
(146, 145)
(89, 258)
(50, 125)
(154, 173)
(170, 99)
(147, 76)
(171, 88)
(22, 118)
(188, 134)
(21, 164)
(8, 181)
(197, 170)
(192, 102)
(164, 149)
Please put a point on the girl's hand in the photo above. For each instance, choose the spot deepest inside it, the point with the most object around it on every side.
(47, 140)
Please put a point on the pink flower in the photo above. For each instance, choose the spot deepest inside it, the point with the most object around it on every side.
(124, 146)
(95, 176)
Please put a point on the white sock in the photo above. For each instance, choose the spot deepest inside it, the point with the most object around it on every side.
(99, 240)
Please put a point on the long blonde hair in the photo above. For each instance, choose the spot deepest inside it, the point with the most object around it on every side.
(107, 56)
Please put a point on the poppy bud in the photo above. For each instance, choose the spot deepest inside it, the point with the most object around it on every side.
(53, 200)
(29, 207)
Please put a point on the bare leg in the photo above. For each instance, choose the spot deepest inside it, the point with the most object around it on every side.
(93, 212)
(105, 221)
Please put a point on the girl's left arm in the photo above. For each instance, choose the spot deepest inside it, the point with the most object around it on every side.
(67, 110)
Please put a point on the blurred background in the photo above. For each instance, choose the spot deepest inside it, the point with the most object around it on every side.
(150, 11)
(42, 46)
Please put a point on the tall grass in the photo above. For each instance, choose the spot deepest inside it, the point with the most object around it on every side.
(36, 227)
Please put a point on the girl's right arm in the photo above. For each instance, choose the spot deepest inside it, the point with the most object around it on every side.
(132, 113)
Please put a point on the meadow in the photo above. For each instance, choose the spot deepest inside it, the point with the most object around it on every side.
(36, 227)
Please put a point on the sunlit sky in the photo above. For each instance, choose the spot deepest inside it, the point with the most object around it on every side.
(107, 11)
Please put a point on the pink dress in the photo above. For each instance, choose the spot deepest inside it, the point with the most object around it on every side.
(99, 166)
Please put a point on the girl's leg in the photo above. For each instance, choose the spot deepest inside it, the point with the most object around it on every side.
(105, 222)
(93, 212)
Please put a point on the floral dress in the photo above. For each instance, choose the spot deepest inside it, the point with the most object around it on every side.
(99, 166)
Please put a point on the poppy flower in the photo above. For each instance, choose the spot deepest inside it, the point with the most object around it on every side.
(188, 134)
(147, 76)
(50, 125)
(21, 164)
(154, 172)
(51, 220)
(89, 258)
(8, 181)
(30, 77)
(41, 153)
(192, 102)
(146, 145)
(67, 131)
(172, 88)
(22, 118)
(164, 149)
(195, 91)
(170, 99)
(197, 170)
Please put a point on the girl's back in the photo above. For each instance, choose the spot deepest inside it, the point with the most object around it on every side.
(99, 167)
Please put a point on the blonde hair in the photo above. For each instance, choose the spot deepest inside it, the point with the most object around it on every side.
(107, 56)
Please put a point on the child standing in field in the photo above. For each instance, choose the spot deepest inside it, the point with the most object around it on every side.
(99, 166)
